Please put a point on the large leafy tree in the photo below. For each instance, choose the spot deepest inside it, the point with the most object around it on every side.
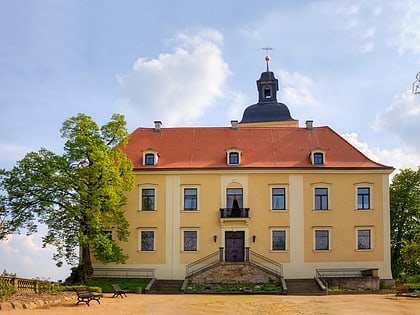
(77, 195)
(405, 224)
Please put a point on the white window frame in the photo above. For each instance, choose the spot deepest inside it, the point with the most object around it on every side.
(150, 151)
(147, 229)
(286, 191)
(328, 198)
(147, 186)
(322, 228)
(183, 188)
(279, 229)
(371, 191)
(364, 228)
(312, 157)
(190, 229)
(233, 150)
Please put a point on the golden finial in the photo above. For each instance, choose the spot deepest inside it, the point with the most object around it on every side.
(267, 57)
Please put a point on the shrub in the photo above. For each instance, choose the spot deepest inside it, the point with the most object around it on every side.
(6, 289)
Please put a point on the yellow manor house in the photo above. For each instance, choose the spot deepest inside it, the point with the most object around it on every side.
(297, 201)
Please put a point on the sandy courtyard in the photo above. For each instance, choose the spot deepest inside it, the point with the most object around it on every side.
(236, 304)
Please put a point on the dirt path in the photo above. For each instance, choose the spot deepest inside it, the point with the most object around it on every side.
(236, 304)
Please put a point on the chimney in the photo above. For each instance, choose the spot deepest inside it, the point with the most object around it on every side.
(158, 123)
(234, 124)
(309, 125)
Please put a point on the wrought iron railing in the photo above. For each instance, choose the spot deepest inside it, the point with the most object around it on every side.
(234, 213)
(264, 262)
(203, 263)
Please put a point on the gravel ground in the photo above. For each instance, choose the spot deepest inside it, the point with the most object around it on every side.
(233, 304)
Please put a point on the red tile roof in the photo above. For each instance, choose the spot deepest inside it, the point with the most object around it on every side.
(262, 147)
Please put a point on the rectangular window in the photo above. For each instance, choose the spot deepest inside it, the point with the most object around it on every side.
(322, 240)
(321, 198)
(147, 241)
(149, 159)
(234, 198)
(278, 240)
(148, 199)
(318, 158)
(233, 158)
(364, 239)
(190, 241)
(190, 199)
(278, 198)
(363, 198)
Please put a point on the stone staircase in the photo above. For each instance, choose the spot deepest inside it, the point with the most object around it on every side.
(303, 287)
(166, 287)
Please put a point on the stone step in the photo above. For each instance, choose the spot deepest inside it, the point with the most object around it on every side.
(166, 287)
(303, 287)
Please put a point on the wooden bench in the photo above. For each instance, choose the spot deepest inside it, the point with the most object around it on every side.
(85, 295)
(118, 291)
(139, 273)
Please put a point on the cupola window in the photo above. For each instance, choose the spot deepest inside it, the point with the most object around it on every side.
(267, 92)
(150, 157)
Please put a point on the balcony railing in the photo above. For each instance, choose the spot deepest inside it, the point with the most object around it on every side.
(234, 212)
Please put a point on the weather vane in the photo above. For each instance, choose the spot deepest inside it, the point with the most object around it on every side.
(267, 57)
(416, 84)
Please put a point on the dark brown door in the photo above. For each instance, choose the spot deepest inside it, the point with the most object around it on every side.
(234, 246)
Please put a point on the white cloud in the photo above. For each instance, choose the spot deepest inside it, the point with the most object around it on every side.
(402, 119)
(399, 158)
(177, 87)
(296, 88)
(367, 47)
(409, 27)
(25, 256)
(368, 33)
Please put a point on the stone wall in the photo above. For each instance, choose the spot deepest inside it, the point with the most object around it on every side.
(364, 283)
(233, 273)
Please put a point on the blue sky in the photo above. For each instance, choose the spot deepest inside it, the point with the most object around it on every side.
(346, 64)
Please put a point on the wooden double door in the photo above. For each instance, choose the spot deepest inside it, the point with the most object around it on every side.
(234, 246)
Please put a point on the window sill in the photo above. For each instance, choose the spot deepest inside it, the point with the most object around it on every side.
(190, 211)
(274, 251)
(146, 251)
(279, 210)
(364, 210)
(322, 210)
(364, 250)
(321, 250)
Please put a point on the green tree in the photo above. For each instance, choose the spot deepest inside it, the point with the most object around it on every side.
(77, 195)
(405, 215)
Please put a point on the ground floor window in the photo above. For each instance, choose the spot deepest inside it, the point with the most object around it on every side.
(278, 240)
(147, 241)
(190, 241)
(322, 240)
(364, 239)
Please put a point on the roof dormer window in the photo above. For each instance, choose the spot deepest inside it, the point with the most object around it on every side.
(233, 156)
(318, 157)
(150, 157)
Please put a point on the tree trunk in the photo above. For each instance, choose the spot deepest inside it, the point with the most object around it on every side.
(85, 265)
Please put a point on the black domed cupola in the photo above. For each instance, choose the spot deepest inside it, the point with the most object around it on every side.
(267, 109)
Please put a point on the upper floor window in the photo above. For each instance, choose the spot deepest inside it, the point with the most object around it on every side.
(190, 198)
(278, 240)
(321, 198)
(150, 157)
(278, 198)
(322, 240)
(364, 239)
(363, 198)
(148, 199)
